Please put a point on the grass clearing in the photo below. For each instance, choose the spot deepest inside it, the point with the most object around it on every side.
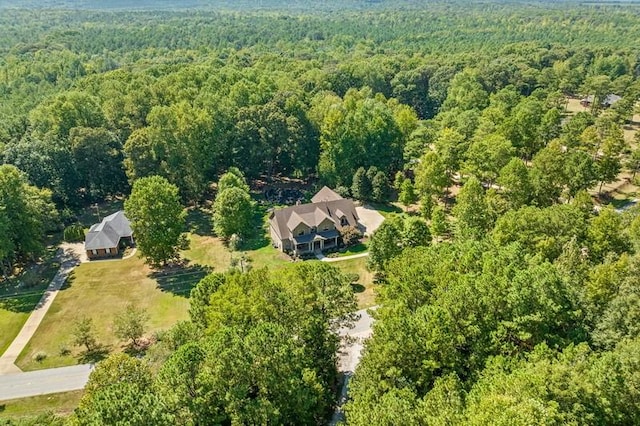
(14, 312)
(20, 294)
(100, 290)
(387, 210)
(365, 288)
(209, 251)
(61, 404)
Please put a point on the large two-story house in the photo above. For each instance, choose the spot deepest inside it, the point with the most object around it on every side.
(314, 226)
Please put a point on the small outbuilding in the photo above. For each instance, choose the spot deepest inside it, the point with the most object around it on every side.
(607, 102)
(104, 239)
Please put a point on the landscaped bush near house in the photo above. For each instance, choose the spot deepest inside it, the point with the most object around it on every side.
(350, 236)
(74, 233)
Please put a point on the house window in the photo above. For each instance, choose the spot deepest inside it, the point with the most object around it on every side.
(94, 251)
(108, 250)
(343, 221)
(314, 229)
(301, 232)
(326, 228)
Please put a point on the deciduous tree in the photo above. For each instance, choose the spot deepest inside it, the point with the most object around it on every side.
(157, 219)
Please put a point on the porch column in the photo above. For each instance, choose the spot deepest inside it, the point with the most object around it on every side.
(310, 245)
(321, 244)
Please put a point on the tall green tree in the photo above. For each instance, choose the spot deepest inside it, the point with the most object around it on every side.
(26, 213)
(361, 185)
(605, 234)
(515, 184)
(487, 156)
(407, 194)
(385, 243)
(439, 224)
(98, 160)
(119, 391)
(232, 213)
(380, 187)
(431, 176)
(157, 219)
(471, 211)
(233, 178)
(359, 131)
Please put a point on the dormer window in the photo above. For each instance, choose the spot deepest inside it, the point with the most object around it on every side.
(344, 221)
(301, 232)
(314, 229)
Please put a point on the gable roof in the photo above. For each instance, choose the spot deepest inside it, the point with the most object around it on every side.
(285, 220)
(325, 194)
(107, 233)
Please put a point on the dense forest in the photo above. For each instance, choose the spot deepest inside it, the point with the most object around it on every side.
(518, 304)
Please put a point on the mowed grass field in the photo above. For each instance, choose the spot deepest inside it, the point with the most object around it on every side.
(364, 289)
(100, 290)
(20, 294)
(14, 312)
(61, 404)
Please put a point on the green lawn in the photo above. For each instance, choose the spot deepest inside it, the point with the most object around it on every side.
(100, 290)
(206, 249)
(387, 210)
(60, 403)
(14, 312)
(365, 288)
(210, 251)
(20, 294)
(356, 249)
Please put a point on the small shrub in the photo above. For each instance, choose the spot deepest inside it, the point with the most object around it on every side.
(353, 277)
(64, 350)
(74, 233)
(40, 356)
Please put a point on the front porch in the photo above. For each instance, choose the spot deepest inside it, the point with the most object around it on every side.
(320, 241)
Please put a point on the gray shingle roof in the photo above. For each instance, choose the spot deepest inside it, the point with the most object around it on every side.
(107, 233)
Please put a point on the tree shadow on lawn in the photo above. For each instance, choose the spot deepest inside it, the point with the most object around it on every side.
(199, 222)
(180, 279)
(259, 239)
(21, 303)
(99, 353)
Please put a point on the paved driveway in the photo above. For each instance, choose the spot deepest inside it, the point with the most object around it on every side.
(43, 382)
(370, 218)
(353, 341)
